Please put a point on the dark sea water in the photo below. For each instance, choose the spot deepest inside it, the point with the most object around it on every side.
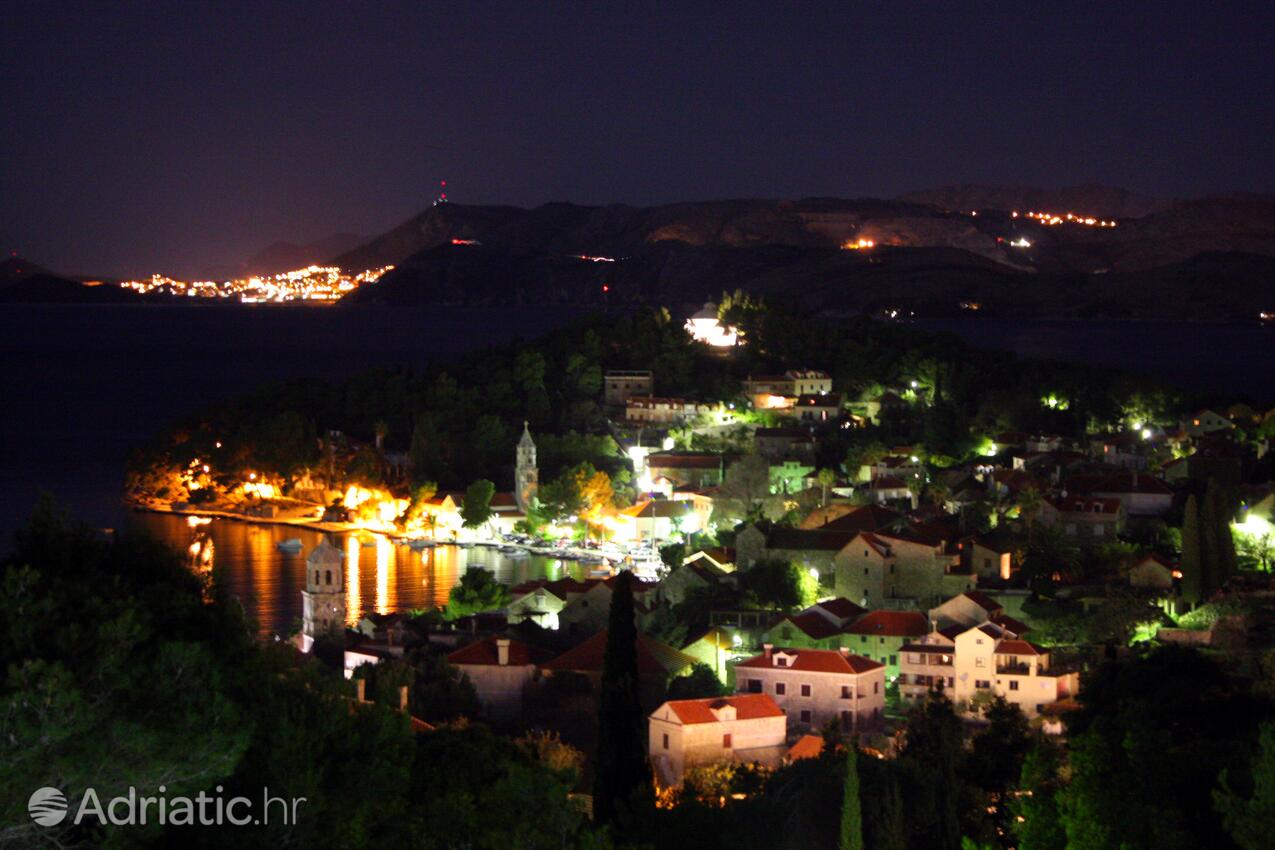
(81, 386)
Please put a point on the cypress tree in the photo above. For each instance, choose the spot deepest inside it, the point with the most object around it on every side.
(851, 810)
(894, 831)
(622, 772)
(1191, 565)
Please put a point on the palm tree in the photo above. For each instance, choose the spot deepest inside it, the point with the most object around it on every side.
(428, 523)
(826, 478)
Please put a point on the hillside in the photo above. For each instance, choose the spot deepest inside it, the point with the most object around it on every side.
(44, 288)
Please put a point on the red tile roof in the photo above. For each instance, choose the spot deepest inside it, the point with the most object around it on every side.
(866, 518)
(654, 658)
(889, 624)
(815, 661)
(747, 707)
(670, 460)
(813, 625)
(1019, 647)
(982, 600)
(841, 608)
(807, 747)
(484, 653)
(1009, 624)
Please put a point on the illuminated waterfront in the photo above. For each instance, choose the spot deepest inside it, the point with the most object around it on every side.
(380, 577)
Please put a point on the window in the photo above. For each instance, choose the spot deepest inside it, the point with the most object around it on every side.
(1013, 684)
(666, 740)
(327, 577)
(894, 660)
(982, 684)
(846, 692)
(805, 717)
(805, 690)
(781, 662)
(978, 641)
(865, 571)
(316, 576)
(881, 641)
(892, 569)
(1099, 530)
(754, 686)
(780, 688)
(1040, 706)
(987, 563)
(980, 662)
(726, 741)
(876, 687)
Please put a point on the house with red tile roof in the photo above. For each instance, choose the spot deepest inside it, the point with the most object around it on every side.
(967, 609)
(591, 610)
(982, 661)
(687, 733)
(816, 686)
(657, 664)
(499, 668)
(1088, 520)
(807, 747)
(879, 635)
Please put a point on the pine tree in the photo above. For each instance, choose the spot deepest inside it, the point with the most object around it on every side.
(851, 810)
(893, 833)
(1192, 561)
(622, 772)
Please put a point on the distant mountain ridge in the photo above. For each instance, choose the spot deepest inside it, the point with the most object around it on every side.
(1095, 200)
(1170, 233)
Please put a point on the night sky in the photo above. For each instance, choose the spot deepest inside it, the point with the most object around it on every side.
(182, 136)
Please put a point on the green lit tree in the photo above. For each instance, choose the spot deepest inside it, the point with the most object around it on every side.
(475, 507)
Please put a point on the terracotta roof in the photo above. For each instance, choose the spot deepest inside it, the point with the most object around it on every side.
(653, 657)
(1009, 624)
(1119, 482)
(889, 624)
(982, 600)
(747, 707)
(1019, 647)
(1086, 504)
(819, 400)
(717, 637)
(809, 539)
(670, 460)
(840, 608)
(887, 482)
(484, 653)
(559, 588)
(878, 545)
(807, 747)
(815, 661)
(945, 649)
(813, 625)
(866, 518)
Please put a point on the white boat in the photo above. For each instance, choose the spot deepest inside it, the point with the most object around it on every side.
(292, 544)
(419, 544)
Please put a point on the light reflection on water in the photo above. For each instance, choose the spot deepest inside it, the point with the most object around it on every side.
(381, 577)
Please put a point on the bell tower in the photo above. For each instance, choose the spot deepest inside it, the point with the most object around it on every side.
(323, 600)
(526, 474)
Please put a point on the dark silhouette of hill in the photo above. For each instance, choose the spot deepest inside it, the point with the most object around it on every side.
(1099, 201)
(44, 288)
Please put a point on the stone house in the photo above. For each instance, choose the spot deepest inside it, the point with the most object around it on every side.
(817, 686)
(743, 728)
(499, 669)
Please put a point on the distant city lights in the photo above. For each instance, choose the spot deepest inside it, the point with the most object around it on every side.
(313, 283)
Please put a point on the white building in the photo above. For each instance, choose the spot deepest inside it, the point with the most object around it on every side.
(985, 660)
(816, 686)
(744, 728)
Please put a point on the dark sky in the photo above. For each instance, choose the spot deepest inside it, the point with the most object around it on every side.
(176, 136)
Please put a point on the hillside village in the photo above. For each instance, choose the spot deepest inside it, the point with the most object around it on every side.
(780, 600)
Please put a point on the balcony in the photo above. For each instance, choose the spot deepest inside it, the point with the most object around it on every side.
(1014, 668)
